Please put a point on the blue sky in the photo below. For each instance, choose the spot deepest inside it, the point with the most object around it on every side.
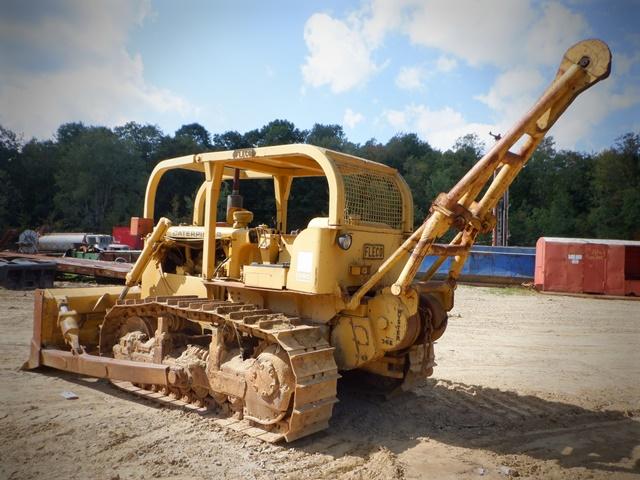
(377, 67)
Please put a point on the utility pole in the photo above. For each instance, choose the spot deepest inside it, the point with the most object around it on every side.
(500, 235)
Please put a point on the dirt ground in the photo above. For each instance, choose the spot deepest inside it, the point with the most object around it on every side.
(528, 385)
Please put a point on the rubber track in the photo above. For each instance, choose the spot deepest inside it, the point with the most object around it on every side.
(311, 357)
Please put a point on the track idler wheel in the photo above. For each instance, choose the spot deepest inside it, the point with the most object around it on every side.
(270, 386)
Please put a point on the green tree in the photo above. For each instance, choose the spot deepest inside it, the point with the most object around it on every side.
(455, 163)
(68, 132)
(551, 196)
(99, 181)
(91, 178)
(10, 195)
(331, 137)
(178, 188)
(616, 186)
(37, 188)
(277, 132)
(230, 140)
(196, 133)
(402, 150)
(259, 194)
(143, 140)
(371, 150)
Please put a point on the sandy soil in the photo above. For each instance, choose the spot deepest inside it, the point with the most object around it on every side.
(527, 385)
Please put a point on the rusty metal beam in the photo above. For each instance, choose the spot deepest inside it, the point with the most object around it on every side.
(104, 367)
(447, 250)
(79, 266)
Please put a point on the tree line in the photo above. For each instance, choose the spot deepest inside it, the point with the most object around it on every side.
(90, 178)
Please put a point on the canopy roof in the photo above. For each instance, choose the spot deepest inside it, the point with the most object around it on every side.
(296, 160)
(300, 160)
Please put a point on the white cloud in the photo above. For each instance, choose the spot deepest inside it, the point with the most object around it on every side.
(84, 71)
(441, 128)
(446, 64)
(510, 85)
(380, 17)
(410, 78)
(513, 93)
(553, 33)
(414, 77)
(351, 118)
(522, 33)
(473, 31)
(396, 118)
(624, 63)
(525, 33)
(520, 39)
(339, 54)
(341, 51)
(593, 106)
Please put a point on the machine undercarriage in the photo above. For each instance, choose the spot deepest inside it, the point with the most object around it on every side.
(244, 362)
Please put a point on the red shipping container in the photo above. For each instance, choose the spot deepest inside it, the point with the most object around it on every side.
(578, 265)
(141, 226)
(123, 235)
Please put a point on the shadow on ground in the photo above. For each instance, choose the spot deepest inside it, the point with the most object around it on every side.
(475, 417)
(465, 416)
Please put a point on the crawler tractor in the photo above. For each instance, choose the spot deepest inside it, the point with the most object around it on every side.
(255, 324)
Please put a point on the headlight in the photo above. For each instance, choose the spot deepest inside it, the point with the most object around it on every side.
(344, 241)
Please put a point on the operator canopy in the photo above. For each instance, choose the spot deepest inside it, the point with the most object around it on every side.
(360, 191)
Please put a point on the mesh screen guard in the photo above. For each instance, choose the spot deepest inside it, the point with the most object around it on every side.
(370, 196)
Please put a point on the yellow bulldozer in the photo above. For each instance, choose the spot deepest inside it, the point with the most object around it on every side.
(256, 324)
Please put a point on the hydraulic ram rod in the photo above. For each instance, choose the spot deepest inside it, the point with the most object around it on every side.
(134, 275)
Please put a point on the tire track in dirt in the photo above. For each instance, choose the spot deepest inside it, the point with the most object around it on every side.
(501, 422)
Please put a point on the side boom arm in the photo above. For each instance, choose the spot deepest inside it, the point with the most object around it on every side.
(582, 66)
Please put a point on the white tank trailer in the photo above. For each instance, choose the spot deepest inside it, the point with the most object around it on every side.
(63, 242)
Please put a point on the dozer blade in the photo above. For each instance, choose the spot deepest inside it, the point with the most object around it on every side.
(49, 325)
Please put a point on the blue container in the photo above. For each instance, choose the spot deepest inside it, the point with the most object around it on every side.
(487, 264)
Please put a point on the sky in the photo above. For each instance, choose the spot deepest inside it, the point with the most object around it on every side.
(437, 68)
